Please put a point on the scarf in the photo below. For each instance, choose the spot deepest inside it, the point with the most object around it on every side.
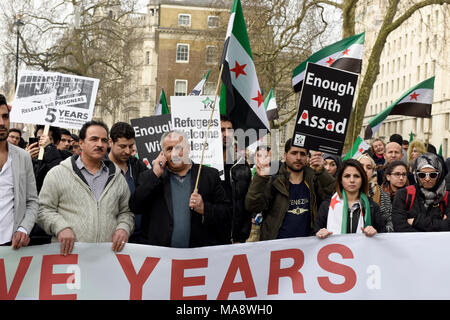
(434, 195)
(337, 221)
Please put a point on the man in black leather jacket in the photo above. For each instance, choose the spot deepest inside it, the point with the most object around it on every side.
(237, 181)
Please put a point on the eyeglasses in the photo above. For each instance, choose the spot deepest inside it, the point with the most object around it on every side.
(399, 174)
(432, 175)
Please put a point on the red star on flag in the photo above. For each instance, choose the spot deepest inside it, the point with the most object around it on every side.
(334, 201)
(414, 96)
(259, 99)
(239, 69)
(346, 51)
(361, 150)
(330, 61)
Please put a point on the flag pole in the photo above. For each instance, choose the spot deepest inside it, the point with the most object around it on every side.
(209, 126)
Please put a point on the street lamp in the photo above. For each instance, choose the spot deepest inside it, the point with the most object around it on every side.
(18, 24)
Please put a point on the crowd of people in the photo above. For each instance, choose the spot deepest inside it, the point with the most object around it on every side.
(91, 187)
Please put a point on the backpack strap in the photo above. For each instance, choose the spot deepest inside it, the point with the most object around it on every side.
(445, 201)
(410, 196)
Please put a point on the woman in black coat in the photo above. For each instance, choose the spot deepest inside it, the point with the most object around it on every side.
(423, 206)
(349, 210)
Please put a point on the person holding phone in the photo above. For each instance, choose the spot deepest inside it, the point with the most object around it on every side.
(174, 214)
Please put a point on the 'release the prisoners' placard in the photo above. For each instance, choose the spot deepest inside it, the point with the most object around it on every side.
(55, 99)
(324, 109)
(191, 114)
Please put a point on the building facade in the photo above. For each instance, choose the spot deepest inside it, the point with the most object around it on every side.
(417, 50)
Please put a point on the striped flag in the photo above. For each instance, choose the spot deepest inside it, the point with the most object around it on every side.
(244, 101)
(345, 54)
(161, 107)
(416, 102)
(270, 104)
(198, 90)
(358, 148)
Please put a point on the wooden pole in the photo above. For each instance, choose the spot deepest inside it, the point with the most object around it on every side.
(209, 126)
(41, 150)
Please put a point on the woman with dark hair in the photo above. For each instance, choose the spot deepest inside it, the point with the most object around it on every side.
(331, 163)
(395, 178)
(349, 210)
(423, 206)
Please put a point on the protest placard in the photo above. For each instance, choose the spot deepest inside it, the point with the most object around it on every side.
(191, 114)
(324, 109)
(55, 99)
(148, 132)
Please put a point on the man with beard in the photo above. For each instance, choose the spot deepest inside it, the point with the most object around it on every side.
(289, 199)
(18, 195)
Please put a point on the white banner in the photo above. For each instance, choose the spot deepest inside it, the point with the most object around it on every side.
(387, 266)
(191, 114)
(56, 99)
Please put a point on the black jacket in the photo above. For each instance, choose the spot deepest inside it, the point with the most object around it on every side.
(377, 221)
(424, 219)
(52, 157)
(236, 185)
(153, 200)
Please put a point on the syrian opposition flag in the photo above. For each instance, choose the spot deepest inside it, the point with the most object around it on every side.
(198, 90)
(358, 148)
(338, 219)
(244, 101)
(270, 104)
(161, 107)
(416, 102)
(345, 54)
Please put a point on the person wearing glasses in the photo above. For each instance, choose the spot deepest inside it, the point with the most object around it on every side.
(395, 178)
(423, 206)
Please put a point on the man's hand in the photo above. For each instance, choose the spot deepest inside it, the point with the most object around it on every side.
(67, 239)
(33, 150)
(119, 238)
(263, 162)
(159, 165)
(196, 203)
(20, 239)
(316, 161)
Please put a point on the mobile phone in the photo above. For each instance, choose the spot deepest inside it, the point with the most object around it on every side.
(32, 140)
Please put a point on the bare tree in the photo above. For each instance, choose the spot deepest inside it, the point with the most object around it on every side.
(83, 37)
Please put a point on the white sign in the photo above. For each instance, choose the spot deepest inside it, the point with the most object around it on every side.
(191, 114)
(55, 99)
(386, 266)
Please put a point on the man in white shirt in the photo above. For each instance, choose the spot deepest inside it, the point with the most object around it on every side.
(18, 201)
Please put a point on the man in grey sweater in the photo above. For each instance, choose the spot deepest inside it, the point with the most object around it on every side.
(85, 198)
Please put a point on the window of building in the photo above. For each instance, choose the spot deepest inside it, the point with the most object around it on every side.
(182, 52)
(184, 20)
(147, 94)
(147, 57)
(213, 21)
(211, 54)
(446, 120)
(209, 88)
(433, 67)
(420, 49)
(418, 73)
(426, 70)
(180, 88)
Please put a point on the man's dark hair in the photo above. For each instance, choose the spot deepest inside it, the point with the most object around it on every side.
(288, 145)
(15, 130)
(396, 138)
(225, 118)
(92, 123)
(65, 132)
(3, 101)
(121, 130)
(75, 137)
(56, 132)
(263, 147)
(405, 142)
